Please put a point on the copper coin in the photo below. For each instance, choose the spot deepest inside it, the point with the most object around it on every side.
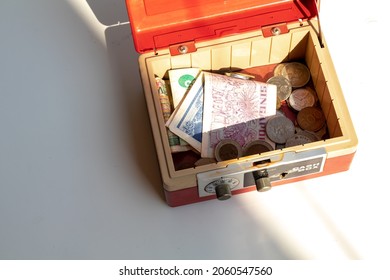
(311, 119)
(227, 149)
(297, 73)
(302, 98)
(283, 86)
(279, 129)
(257, 147)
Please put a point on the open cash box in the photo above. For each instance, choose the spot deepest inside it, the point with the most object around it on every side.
(236, 37)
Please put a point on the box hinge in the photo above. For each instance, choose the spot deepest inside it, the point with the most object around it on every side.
(274, 30)
(320, 39)
(182, 48)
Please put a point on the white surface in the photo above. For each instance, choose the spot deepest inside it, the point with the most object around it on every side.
(78, 172)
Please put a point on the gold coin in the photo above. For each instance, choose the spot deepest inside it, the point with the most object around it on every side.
(297, 73)
(278, 69)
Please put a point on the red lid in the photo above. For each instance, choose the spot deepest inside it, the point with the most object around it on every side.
(158, 24)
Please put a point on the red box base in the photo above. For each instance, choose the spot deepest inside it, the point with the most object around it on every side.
(190, 195)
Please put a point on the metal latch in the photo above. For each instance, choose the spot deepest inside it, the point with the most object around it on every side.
(182, 48)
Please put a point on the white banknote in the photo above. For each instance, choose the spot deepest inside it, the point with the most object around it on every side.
(235, 109)
(186, 120)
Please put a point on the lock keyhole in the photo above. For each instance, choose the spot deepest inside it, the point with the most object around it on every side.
(283, 175)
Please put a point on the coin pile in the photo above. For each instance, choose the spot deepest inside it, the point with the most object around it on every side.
(298, 120)
(301, 121)
(229, 149)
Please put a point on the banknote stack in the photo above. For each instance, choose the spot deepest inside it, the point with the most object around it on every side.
(219, 109)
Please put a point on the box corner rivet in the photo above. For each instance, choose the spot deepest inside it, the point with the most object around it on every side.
(182, 49)
(275, 31)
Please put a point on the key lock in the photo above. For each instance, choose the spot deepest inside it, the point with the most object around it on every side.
(262, 180)
(223, 187)
(240, 175)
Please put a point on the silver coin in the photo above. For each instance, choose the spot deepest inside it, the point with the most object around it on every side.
(301, 98)
(279, 129)
(283, 86)
(300, 138)
(241, 76)
(257, 147)
(321, 133)
(297, 73)
(313, 136)
(227, 149)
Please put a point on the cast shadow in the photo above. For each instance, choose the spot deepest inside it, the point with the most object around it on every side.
(109, 12)
(137, 134)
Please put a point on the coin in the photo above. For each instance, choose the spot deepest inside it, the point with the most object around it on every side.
(204, 161)
(283, 86)
(321, 133)
(300, 138)
(311, 119)
(297, 140)
(301, 98)
(241, 76)
(257, 147)
(279, 129)
(313, 136)
(297, 73)
(278, 69)
(227, 149)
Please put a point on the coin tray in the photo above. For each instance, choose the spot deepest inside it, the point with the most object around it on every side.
(248, 51)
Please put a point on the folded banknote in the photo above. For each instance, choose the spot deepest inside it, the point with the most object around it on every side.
(235, 109)
(186, 120)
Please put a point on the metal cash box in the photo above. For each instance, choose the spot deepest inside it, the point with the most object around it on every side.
(219, 34)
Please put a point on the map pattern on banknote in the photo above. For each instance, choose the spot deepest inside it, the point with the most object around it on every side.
(235, 109)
